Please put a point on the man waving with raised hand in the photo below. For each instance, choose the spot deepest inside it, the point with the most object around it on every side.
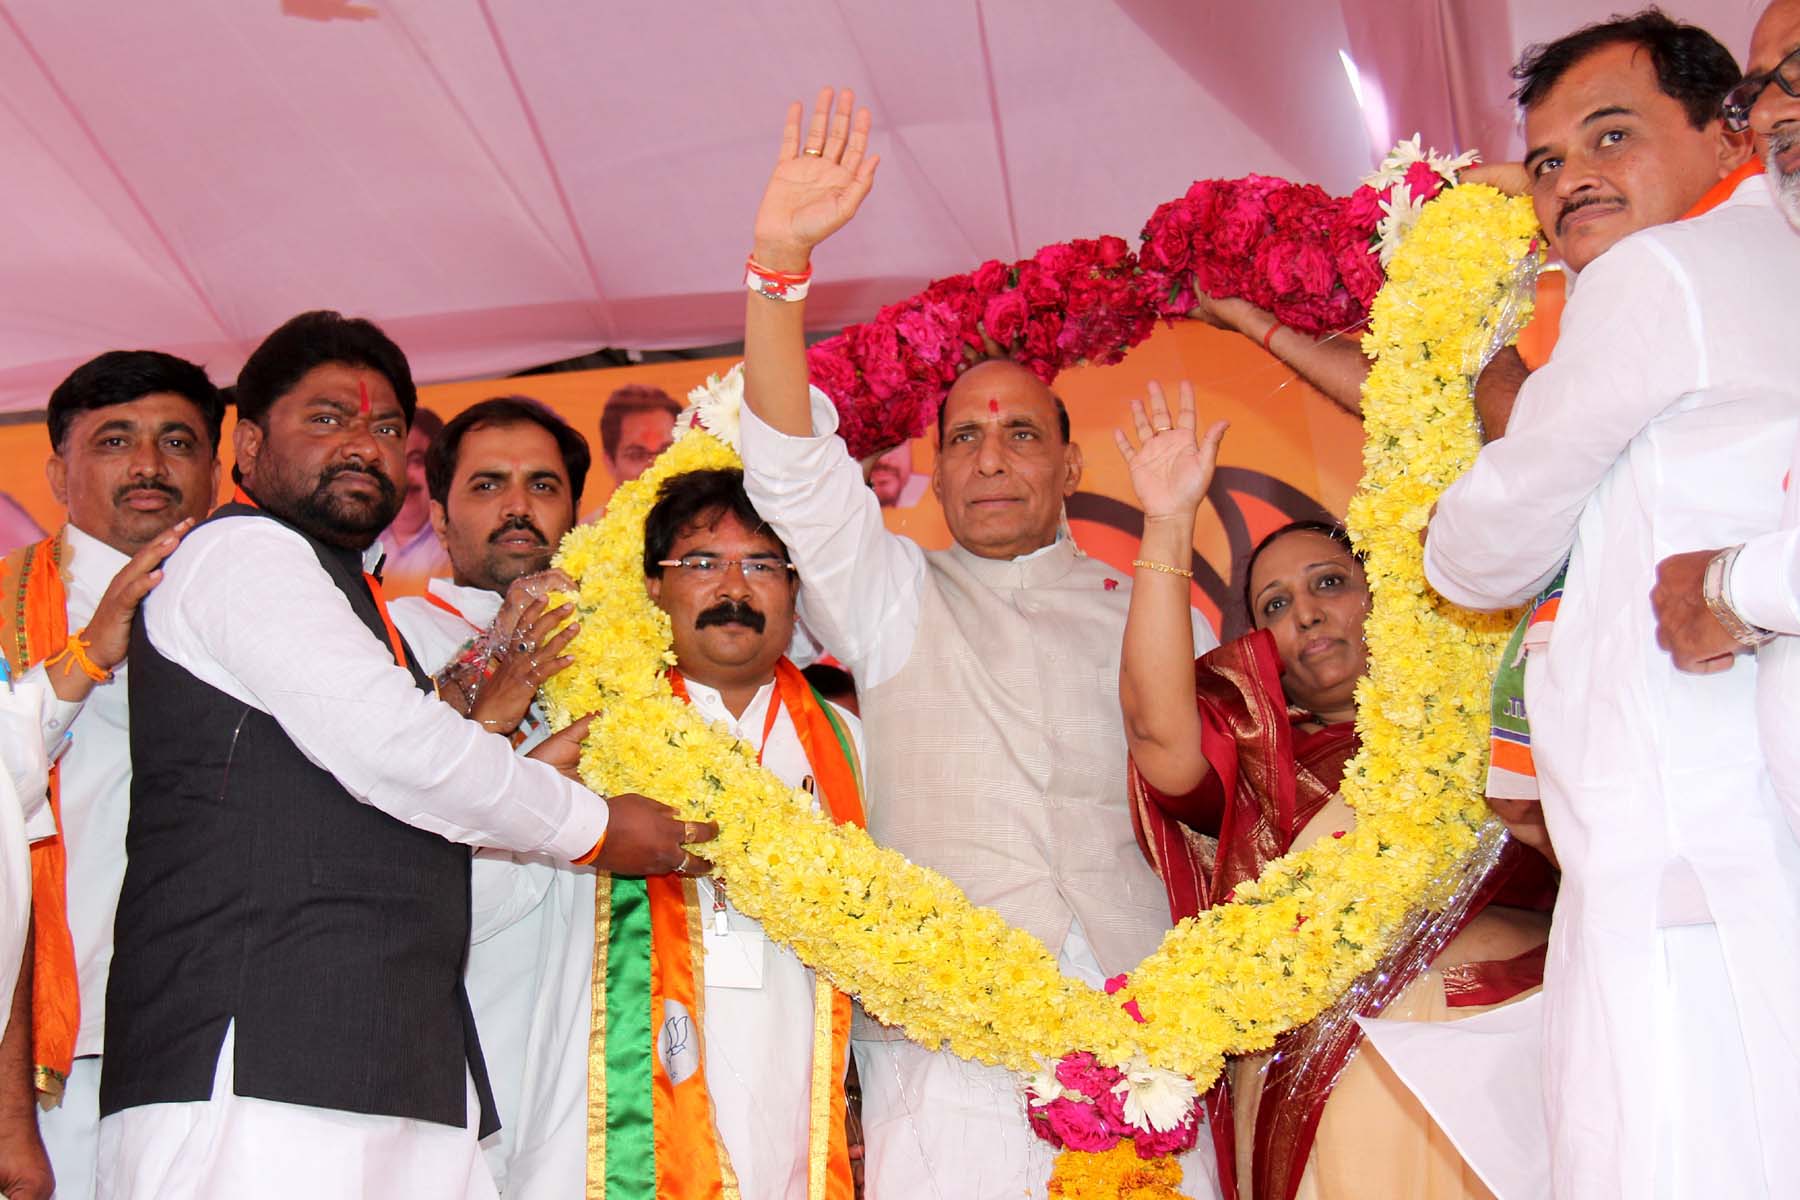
(987, 673)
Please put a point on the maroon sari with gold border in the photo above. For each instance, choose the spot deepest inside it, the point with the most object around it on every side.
(1268, 779)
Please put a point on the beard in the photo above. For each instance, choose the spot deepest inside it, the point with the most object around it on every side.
(502, 566)
(1787, 183)
(332, 518)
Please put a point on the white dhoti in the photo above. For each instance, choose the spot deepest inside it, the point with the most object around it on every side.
(233, 1147)
(70, 1131)
(1707, 1141)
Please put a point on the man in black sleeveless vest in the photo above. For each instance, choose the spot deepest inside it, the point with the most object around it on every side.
(286, 1014)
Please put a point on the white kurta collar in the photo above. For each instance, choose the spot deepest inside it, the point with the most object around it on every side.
(1040, 568)
(91, 562)
(712, 706)
(478, 606)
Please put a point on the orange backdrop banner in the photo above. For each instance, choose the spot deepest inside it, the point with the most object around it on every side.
(1289, 454)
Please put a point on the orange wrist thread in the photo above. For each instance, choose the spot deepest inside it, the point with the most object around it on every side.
(75, 654)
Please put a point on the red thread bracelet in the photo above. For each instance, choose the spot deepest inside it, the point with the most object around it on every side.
(788, 277)
(1269, 336)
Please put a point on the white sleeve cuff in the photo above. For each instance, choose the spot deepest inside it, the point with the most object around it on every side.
(775, 446)
(58, 714)
(1765, 581)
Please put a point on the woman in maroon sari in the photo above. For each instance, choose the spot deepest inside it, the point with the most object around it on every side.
(1237, 759)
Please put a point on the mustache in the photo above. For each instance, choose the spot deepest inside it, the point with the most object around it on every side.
(731, 612)
(147, 485)
(382, 483)
(1575, 206)
(522, 524)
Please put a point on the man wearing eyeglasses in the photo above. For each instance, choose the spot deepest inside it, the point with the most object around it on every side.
(1663, 421)
(735, 1061)
(1768, 101)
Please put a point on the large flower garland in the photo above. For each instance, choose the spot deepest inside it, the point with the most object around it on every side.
(1315, 260)
(906, 941)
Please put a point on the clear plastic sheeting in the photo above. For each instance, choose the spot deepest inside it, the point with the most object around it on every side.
(1519, 290)
(1313, 1057)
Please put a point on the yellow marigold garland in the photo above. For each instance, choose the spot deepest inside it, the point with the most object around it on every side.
(1116, 1174)
(910, 945)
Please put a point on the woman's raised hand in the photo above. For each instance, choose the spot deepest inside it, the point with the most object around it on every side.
(1171, 465)
(819, 181)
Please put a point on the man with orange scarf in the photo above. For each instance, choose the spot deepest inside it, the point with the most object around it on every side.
(674, 1053)
(134, 458)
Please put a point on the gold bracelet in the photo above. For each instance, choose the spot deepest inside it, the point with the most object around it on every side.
(1165, 568)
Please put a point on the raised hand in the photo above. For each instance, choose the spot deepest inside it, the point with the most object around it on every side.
(819, 181)
(1171, 466)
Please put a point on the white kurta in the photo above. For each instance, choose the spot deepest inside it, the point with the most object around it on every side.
(91, 742)
(245, 607)
(758, 1040)
(1663, 423)
(1765, 588)
(23, 817)
(937, 1126)
(507, 889)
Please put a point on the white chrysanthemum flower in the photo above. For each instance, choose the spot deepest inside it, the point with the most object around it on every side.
(1044, 1087)
(1449, 168)
(717, 405)
(1155, 1099)
(1393, 167)
(1400, 212)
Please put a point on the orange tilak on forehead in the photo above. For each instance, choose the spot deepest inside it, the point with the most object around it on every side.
(362, 389)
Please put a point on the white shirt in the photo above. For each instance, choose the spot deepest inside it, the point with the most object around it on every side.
(507, 890)
(1765, 590)
(24, 777)
(861, 585)
(1663, 423)
(758, 1048)
(90, 740)
(245, 607)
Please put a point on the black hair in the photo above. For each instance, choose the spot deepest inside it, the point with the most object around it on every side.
(833, 683)
(1330, 529)
(632, 398)
(1062, 410)
(441, 455)
(1692, 68)
(312, 340)
(694, 498)
(121, 376)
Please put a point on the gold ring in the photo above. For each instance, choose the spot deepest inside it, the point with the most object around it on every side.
(1161, 428)
(814, 153)
(681, 868)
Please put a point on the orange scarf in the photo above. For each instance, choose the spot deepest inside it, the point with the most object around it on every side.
(683, 1158)
(34, 626)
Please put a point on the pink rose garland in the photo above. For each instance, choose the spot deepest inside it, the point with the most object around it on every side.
(1290, 248)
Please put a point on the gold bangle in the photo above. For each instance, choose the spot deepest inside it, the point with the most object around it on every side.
(74, 651)
(1165, 568)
